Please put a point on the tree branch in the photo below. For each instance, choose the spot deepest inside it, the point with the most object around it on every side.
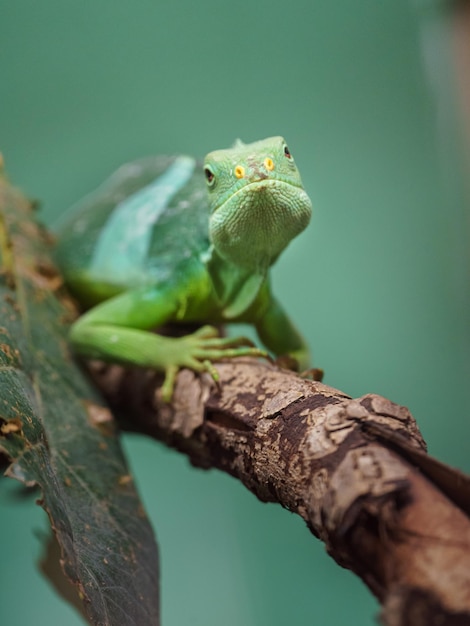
(355, 470)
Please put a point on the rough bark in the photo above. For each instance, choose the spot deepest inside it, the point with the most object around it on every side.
(356, 470)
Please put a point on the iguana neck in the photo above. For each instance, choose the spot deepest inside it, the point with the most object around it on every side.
(236, 287)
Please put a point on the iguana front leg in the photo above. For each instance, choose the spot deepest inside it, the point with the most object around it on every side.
(119, 331)
(278, 334)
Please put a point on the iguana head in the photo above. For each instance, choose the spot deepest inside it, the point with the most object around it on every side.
(257, 201)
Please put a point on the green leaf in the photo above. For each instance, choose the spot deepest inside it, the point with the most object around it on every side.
(59, 434)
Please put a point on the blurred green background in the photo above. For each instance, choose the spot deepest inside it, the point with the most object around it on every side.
(379, 283)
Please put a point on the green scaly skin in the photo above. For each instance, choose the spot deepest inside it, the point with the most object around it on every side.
(256, 206)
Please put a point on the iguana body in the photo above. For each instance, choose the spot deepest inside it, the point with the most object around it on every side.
(165, 240)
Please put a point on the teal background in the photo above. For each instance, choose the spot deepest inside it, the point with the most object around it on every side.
(379, 283)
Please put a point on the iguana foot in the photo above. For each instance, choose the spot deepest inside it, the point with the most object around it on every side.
(198, 350)
(289, 362)
(314, 373)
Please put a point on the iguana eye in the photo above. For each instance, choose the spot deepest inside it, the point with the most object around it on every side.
(209, 174)
(287, 152)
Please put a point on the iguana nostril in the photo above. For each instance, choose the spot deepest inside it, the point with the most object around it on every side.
(269, 164)
(239, 171)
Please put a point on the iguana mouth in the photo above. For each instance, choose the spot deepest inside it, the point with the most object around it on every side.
(265, 182)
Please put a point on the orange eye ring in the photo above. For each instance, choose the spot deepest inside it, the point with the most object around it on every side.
(269, 164)
(239, 171)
